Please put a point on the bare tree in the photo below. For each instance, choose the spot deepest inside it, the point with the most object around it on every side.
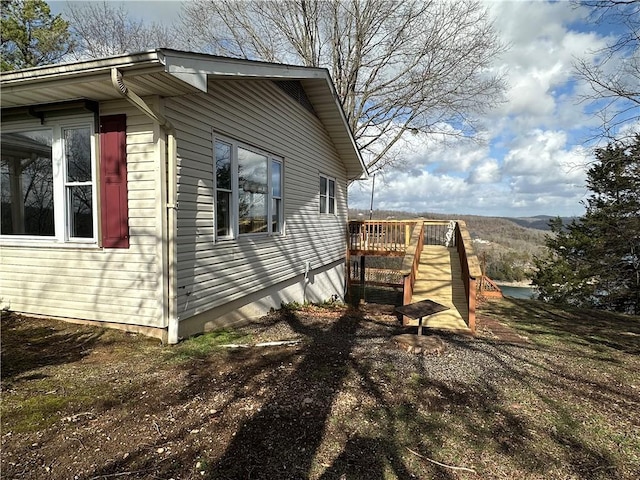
(398, 66)
(104, 29)
(613, 72)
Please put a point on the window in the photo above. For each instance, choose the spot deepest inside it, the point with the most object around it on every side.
(276, 196)
(248, 190)
(47, 182)
(78, 181)
(26, 186)
(223, 189)
(327, 195)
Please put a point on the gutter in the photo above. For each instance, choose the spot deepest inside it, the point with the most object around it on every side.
(171, 209)
(144, 60)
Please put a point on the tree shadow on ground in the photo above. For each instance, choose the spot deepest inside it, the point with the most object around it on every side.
(343, 405)
(595, 328)
(366, 458)
(288, 394)
(515, 434)
(281, 440)
(435, 411)
(27, 346)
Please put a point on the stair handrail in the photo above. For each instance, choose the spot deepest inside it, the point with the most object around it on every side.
(470, 269)
(489, 288)
(411, 261)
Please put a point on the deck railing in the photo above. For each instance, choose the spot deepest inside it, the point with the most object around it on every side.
(379, 237)
(440, 232)
(488, 288)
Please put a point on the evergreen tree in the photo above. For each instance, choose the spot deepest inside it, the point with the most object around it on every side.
(595, 261)
(31, 36)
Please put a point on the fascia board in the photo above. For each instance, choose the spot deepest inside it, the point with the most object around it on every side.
(194, 69)
(148, 61)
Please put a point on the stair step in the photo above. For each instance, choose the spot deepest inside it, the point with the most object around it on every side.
(439, 279)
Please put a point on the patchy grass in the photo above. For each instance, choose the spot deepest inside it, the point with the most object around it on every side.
(201, 346)
(37, 412)
(580, 399)
(598, 331)
(81, 402)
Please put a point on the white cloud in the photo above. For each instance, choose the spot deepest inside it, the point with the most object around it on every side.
(630, 129)
(539, 63)
(420, 193)
(535, 154)
(540, 174)
(545, 173)
(524, 21)
(486, 172)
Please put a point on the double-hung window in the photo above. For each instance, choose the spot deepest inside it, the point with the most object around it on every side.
(327, 194)
(48, 181)
(79, 181)
(248, 193)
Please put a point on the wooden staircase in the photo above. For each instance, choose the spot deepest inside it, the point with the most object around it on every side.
(440, 279)
(438, 264)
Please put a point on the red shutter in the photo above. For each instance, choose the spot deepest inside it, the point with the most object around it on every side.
(114, 211)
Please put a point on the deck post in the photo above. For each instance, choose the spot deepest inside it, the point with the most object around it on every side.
(472, 305)
(348, 291)
(407, 293)
(362, 276)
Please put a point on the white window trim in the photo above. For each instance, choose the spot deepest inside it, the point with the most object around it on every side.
(279, 160)
(233, 202)
(326, 194)
(61, 205)
(234, 214)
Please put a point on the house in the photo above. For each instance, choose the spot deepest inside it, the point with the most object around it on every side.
(168, 193)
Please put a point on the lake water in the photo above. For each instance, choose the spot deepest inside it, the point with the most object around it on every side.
(517, 292)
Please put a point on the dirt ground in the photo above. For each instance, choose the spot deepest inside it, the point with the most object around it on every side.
(522, 399)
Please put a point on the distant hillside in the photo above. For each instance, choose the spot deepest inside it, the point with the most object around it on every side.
(540, 222)
(505, 245)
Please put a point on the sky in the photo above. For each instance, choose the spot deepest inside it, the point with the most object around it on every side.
(535, 144)
(534, 147)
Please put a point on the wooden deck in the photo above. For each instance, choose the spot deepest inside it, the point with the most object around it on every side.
(439, 279)
(446, 271)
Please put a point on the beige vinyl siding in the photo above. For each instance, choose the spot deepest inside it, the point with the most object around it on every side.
(90, 283)
(259, 114)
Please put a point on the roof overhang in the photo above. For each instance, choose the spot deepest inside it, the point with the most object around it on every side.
(170, 73)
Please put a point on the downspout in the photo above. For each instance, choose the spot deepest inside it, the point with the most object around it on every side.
(172, 154)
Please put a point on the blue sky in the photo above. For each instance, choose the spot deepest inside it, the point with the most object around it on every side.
(534, 147)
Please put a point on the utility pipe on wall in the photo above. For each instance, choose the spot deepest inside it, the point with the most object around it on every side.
(172, 154)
